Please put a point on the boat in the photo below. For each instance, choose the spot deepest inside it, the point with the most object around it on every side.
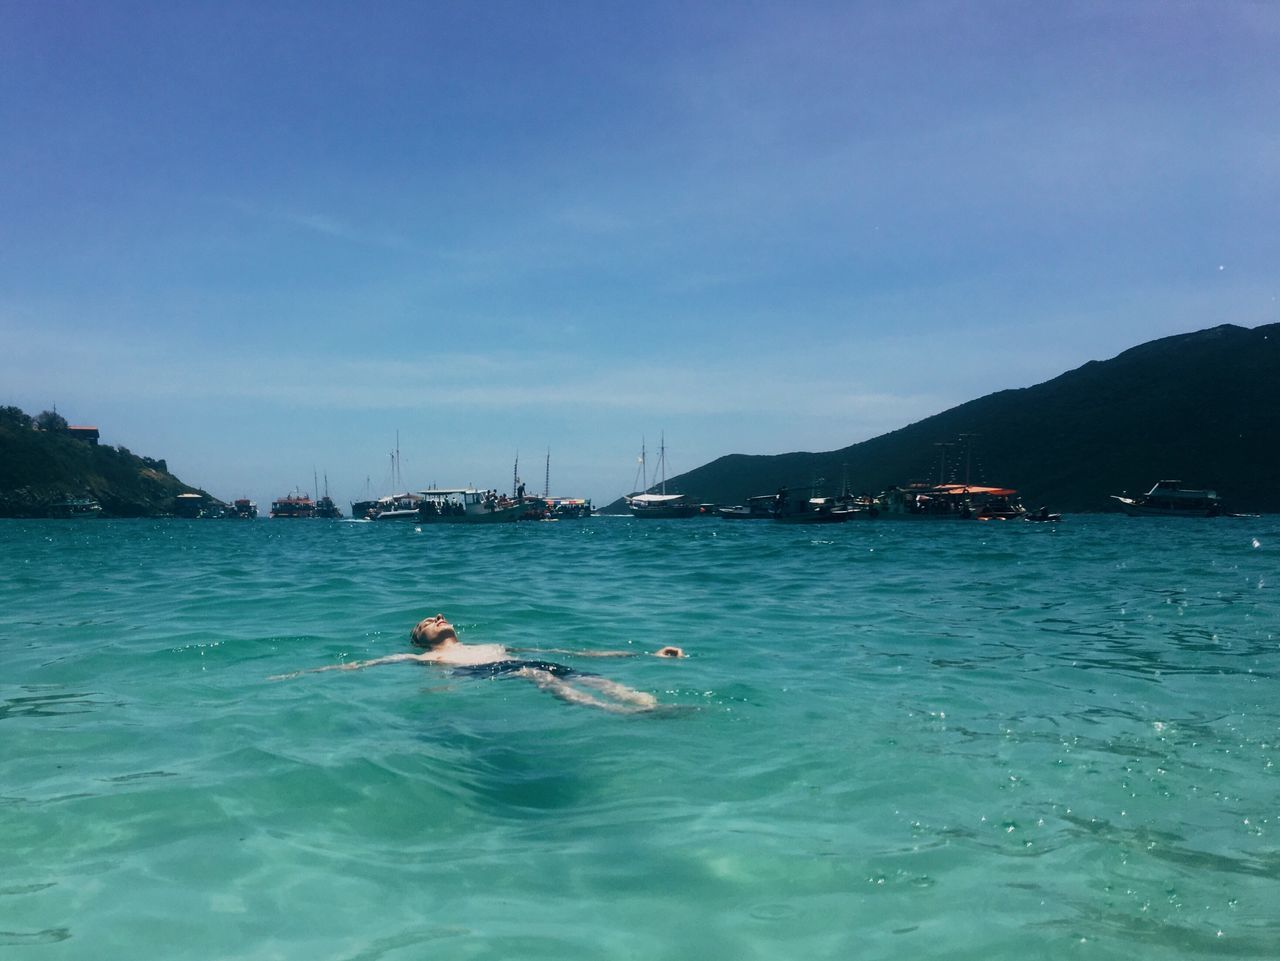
(293, 506)
(1168, 498)
(1041, 516)
(395, 507)
(995, 503)
(467, 505)
(244, 508)
(75, 507)
(189, 505)
(567, 508)
(818, 510)
(757, 508)
(950, 502)
(547, 507)
(325, 507)
(659, 506)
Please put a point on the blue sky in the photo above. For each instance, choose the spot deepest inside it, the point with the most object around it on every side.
(261, 239)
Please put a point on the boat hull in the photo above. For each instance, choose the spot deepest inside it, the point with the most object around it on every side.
(504, 516)
(1135, 509)
(397, 515)
(664, 513)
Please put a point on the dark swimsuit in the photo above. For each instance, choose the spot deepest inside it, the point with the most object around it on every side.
(503, 668)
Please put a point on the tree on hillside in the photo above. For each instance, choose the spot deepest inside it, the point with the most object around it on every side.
(51, 420)
(15, 417)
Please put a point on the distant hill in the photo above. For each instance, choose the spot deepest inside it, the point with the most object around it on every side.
(1202, 407)
(40, 468)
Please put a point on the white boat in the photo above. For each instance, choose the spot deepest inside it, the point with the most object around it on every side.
(761, 507)
(467, 505)
(395, 507)
(660, 505)
(1169, 499)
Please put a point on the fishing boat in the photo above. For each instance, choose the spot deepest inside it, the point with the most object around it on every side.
(818, 510)
(76, 507)
(1041, 516)
(393, 507)
(549, 508)
(467, 505)
(567, 508)
(757, 508)
(950, 502)
(243, 508)
(660, 505)
(325, 507)
(396, 507)
(1168, 498)
(297, 505)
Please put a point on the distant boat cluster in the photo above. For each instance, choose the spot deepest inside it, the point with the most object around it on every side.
(932, 501)
(467, 505)
(922, 501)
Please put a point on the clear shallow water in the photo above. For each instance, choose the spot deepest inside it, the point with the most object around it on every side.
(905, 741)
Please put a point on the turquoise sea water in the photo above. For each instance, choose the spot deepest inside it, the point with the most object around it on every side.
(900, 740)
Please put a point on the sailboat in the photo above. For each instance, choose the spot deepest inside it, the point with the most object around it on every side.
(401, 506)
(325, 507)
(661, 505)
(560, 508)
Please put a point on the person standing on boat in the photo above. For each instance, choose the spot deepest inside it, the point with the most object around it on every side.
(441, 645)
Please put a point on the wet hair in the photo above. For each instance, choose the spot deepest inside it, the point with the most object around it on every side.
(422, 631)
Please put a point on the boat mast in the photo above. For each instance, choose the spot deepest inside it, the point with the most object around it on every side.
(546, 481)
(662, 459)
(968, 455)
(942, 465)
(515, 476)
(641, 473)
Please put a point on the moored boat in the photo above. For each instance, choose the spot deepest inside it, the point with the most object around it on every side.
(244, 508)
(293, 506)
(394, 507)
(467, 505)
(75, 507)
(1041, 516)
(950, 502)
(1168, 498)
(567, 508)
(820, 510)
(757, 508)
(660, 505)
(325, 507)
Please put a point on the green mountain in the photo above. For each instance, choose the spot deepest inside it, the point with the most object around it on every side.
(44, 464)
(1201, 407)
